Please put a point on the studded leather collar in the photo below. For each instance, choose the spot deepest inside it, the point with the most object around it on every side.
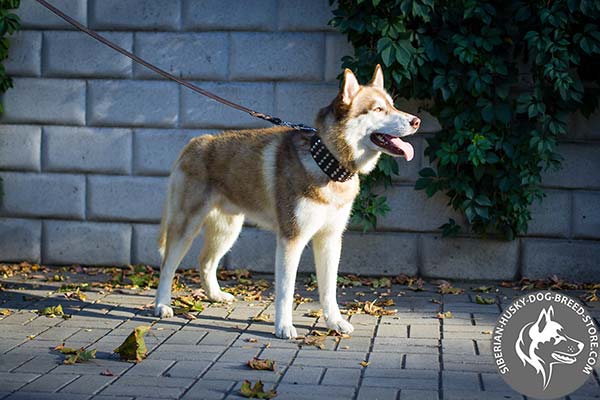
(327, 161)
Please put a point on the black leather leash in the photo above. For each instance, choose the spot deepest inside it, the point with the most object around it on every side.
(322, 156)
(141, 61)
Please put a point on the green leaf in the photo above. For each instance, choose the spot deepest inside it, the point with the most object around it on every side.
(134, 346)
(483, 200)
(427, 173)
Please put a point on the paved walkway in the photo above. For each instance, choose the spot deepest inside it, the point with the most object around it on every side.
(412, 354)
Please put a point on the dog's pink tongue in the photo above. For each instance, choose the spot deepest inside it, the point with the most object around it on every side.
(409, 151)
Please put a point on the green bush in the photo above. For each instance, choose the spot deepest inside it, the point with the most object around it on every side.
(502, 77)
(9, 24)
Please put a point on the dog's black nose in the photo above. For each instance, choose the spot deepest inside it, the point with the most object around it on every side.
(415, 123)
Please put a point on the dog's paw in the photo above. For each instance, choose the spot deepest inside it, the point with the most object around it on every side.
(286, 331)
(221, 297)
(340, 325)
(163, 311)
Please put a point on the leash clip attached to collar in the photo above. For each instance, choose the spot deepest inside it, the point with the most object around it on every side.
(327, 161)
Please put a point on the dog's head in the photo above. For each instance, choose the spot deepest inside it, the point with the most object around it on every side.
(362, 122)
(544, 343)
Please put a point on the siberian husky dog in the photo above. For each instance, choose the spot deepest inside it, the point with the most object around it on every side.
(278, 178)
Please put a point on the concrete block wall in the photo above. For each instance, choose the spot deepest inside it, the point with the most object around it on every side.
(88, 137)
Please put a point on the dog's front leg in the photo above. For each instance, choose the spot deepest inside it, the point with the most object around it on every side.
(286, 265)
(327, 247)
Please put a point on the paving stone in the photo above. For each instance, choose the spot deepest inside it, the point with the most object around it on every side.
(300, 392)
(473, 395)
(40, 364)
(304, 375)
(408, 394)
(453, 380)
(49, 383)
(87, 384)
(147, 368)
(188, 369)
(206, 389)
(422, 361)
(47, 396)
(147, 391)
(340, 376)
(238, 371)
(377, 393)
(14, 381)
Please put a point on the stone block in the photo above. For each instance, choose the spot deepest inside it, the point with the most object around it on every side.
(20, 240)
(68, 54)
(300, 102)
(20, 147)
(202, 112)
(280, 56)
(551, 217)
(145, 247)
(586, 218)
(468, 258)
(579, 167)
(216, 15)
(412, 210)
(575, 260)
(46, 101)
(187, 55)
(135, 103)
(135, 14)
(86, 243)
(34, 15)
(125, 198)
(155, 151)
(43, 195)
(25, 55)
(336, 47)
(304, 15)
(87, 149)
(364, 254)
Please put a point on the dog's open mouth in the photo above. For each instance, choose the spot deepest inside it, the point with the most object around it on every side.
(563, 358)
(393, 145)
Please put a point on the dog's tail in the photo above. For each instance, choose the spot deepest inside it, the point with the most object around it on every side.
(162, 237)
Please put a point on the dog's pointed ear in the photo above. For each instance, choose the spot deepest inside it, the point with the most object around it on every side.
(350, 86)
(377, 79)
(544, 318)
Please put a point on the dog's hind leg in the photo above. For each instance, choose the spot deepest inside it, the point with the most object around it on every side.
(221, 231)
(184, 217)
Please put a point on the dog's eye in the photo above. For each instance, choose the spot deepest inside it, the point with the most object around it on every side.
(378, 109)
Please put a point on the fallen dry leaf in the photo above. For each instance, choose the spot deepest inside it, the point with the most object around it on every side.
(484, 300)
(482, 289)
(257, 391)
(590, 296)
(75, 355)
(261, 364)
(134, 347)
(444, 315)
(314, 313)
(364, 363)
(107, 372)
(262, 317)
(5, 312)
(446, 287)
(53, 311)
